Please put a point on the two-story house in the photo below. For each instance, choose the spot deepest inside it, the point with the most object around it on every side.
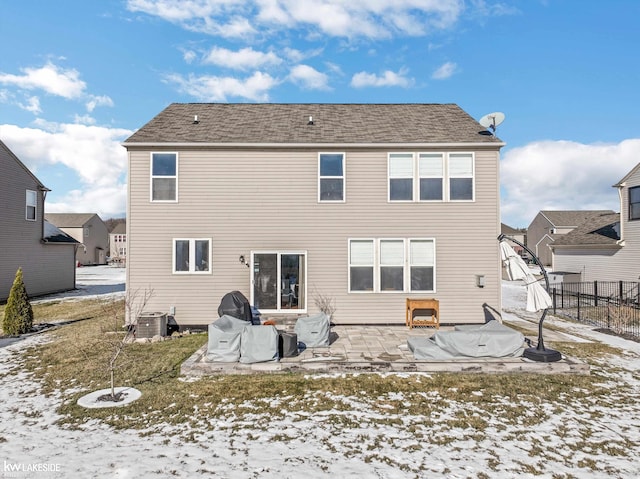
(367, 204)
(27, 241)
(549, 225)
(607, 246)
(118, 244)
(89, 230)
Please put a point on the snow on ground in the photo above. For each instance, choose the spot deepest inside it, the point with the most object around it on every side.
(374, 445)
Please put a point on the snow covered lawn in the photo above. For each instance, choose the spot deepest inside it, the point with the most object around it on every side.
(472, 429)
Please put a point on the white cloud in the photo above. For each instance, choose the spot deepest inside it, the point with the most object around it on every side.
(445, 71)
(563, 175)
(338, 18)
(189, 56)
(32, 105)
(388, 78)
(214, 88)
(309, 78)
(95, 100)
(50, 78)
(244, 59)
(93, 153)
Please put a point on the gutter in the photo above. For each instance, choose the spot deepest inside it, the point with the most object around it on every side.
(311, 145)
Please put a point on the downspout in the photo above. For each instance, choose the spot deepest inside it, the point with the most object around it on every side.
(621, 240)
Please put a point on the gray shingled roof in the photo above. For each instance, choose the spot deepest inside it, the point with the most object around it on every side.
(601, 230)
(332, 123)
(69, 220)
(571, 218)
(54, 235)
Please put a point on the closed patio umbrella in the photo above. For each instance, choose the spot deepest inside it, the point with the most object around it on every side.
(538, 298)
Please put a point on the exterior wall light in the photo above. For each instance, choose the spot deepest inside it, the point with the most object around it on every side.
(480, 280)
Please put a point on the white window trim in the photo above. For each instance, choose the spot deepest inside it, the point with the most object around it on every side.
(413, 177)
(378, 269)
(443, 177)
(377, 265)
(279, 253)
(34, 206)
(343, 177)
(192, 250)
(446, 189)
(151, 176)
(473, 177)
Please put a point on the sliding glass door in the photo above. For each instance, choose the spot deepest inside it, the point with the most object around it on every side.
(279, 281)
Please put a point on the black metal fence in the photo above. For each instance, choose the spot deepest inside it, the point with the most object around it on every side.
(614, 305)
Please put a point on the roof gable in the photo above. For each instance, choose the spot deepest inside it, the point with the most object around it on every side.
(11, 155)
(270, 123)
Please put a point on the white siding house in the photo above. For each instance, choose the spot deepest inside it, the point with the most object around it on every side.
(367, 204)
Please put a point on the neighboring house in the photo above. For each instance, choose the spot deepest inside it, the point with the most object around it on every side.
(550, 225)
(606, 247)
(118, 244)
(45, 254)
(88, 229)
(367, 204)
(517, 234)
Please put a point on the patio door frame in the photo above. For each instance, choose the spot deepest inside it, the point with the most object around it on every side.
(302, 285)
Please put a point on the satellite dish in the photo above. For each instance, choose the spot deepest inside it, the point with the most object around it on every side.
(492, 120)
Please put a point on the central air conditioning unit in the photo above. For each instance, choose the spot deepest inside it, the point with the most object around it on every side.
(151, 324)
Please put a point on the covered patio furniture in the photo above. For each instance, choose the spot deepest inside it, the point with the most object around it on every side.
(259, 344)
(313, 331)
(490, 340)
(224, 339)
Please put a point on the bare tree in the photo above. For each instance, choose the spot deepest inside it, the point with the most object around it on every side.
(324, 302)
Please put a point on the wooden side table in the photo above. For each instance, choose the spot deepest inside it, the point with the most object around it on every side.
(431, 304)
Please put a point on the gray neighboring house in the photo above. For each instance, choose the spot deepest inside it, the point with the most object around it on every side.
(45, 254)
(89, 230)
(549, 225)
(606, 247)
(367, 204)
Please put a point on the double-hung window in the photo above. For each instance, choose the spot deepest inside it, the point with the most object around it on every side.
(634, 203)
(400, 176)
(331, 177)
(431, 173)
(31, 205)
(460, 176)
(192, 256)
(164, 177)
(392, 265)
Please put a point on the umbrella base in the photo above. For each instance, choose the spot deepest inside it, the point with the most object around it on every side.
(542, 355)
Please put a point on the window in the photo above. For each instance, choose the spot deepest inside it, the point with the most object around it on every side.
(31, 203)
(460, 176)
(431, 177)
(331, 177)
(361, 265)
(431, 173)
(191, 256)
(164, 177)
(634, 203)
(401, 177)
(421, 265)
(391, 265)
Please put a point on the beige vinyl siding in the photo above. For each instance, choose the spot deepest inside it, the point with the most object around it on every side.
(46, 268)
(267, 200)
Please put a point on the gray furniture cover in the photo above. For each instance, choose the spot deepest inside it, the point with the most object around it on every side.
(490, 340)
(313, 331)
(259, 344)
(224, 339)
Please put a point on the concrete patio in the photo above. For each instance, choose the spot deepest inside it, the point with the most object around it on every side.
(358, 348)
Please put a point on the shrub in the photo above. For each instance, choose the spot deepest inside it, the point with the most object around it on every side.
(18, 315)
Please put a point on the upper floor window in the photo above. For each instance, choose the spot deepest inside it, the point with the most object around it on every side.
(431, 177)
(634, 203)
(331, 177)
(191, 256)
(31, 205)
(164, 177)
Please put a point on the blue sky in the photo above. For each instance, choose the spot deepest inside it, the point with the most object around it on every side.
(78, 77)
